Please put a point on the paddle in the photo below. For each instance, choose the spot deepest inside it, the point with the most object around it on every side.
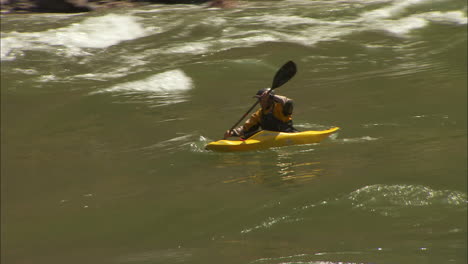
(282, 76)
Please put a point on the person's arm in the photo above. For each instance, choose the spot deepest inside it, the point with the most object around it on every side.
(254, 120)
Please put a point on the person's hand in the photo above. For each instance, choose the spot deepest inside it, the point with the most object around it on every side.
(227, 134)
(265, 95)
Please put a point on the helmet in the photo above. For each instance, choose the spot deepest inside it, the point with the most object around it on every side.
(261, 91)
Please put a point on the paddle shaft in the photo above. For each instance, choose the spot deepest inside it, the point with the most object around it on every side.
(246, 113)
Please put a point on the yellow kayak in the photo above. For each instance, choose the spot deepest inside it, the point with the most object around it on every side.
(268, 139)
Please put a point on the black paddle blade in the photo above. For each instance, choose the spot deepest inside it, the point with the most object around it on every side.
(284, 74)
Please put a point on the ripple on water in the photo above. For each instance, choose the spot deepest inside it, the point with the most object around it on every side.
(387, 200)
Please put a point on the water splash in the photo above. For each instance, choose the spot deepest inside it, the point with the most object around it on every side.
(199, 145)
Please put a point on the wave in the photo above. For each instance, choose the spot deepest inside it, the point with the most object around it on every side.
(225, 31)
(387, 200)
(308, 31)
(401, 27)
(95, 32)
(394, 9)
(160, 89)
(173, 81)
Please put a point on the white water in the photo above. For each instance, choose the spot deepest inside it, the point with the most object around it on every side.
(166, 82)
(95, 32)
(113, 29)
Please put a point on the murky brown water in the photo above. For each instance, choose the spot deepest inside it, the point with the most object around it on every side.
(105, 117)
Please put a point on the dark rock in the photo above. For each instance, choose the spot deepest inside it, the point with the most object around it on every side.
(222, 3)
(62, 6)
(178, 1)
(75, 6)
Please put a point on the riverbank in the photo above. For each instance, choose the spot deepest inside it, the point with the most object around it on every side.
(77, 6)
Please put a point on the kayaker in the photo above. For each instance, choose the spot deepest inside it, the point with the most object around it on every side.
(275, 114)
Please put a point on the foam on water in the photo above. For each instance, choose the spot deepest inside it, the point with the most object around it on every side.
(403, 26)
(173, 81)
(80, 39)
(102, 76)
(282, 21)
(452, 17)
(192, 48)
(391, 18)
(95, 32)
(395, 9)
(11, 47)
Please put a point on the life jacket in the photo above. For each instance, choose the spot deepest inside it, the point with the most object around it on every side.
(273, 119)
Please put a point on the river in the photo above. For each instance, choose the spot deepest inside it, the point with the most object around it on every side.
(105, 115)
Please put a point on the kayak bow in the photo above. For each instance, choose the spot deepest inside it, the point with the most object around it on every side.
(268, 139)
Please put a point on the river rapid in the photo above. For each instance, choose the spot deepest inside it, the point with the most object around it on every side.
(105, 115)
